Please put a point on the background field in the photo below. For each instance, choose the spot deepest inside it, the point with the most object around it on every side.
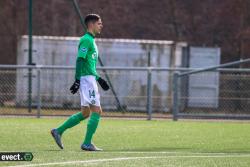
(131, 143)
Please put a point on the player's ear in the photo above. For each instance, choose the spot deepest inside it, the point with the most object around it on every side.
(90, 25)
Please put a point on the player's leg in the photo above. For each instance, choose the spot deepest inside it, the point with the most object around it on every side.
(85, 111)
(92, 97)
(78, 117)
(74, 119)
(69, 123)
(91, 129)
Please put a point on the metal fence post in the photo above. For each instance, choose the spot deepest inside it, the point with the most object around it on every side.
(175, 96)
(38, 92)
(149, 94)
(149, 88)
(30, 58)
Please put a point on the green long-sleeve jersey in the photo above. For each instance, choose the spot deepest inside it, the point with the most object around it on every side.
(87, 57)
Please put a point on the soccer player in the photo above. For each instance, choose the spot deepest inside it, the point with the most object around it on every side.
(85, 79)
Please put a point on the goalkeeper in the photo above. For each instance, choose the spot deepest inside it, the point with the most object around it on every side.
(85, 79)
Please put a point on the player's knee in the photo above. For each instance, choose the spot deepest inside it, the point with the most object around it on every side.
(85, 112)
(97, 109)
(85, 115)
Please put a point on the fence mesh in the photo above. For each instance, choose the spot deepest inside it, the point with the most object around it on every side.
(128, 98)
(222, 93)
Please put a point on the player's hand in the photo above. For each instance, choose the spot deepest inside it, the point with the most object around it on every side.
(103, 84)
(74, 88)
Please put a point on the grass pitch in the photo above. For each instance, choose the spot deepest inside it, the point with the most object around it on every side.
(130, 143)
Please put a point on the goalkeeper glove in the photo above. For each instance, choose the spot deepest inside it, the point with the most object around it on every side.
(103, 84)
(74, 88)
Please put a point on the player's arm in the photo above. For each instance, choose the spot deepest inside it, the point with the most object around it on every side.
(79, 67)
(81, 55)
(103, 84)
(83, 48)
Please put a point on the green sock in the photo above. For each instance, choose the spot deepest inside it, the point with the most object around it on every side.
(91, 127)
(70, 122)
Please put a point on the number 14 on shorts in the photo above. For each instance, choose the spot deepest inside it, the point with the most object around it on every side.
(91, 93)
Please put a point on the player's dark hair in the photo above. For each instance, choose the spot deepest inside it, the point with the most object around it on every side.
(91, 18)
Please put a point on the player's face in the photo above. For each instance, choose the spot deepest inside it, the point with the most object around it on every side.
(97, 27)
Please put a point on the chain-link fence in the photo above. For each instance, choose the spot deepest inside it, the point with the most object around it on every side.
(136, 92)
(212, 93)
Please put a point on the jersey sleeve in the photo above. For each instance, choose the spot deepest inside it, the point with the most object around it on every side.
(79, 67)
(83, 48)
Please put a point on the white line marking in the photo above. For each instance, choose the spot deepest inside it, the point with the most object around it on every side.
(130, 158)
(172, 152)
(88, 161)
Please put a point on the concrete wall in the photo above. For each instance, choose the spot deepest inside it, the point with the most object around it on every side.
(130, 86)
